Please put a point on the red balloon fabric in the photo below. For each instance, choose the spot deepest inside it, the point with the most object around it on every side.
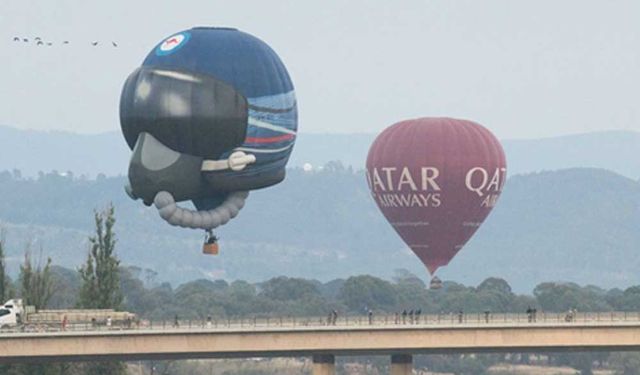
(436, 180)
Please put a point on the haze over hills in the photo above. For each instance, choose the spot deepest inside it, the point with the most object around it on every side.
(34, 151)
(577, 224)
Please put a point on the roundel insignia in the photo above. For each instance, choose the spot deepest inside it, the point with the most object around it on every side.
(172, 44)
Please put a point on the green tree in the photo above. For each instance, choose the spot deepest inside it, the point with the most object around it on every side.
(459, 364)
(495, 294)
(6, 290)
(66, 287)
(360, 292)
(100, 287)
(630, 299)
(285, 289)
(560, 297)
(36, 284)
(100, 277)
(625, 363)
(403, 276)
(36, 288)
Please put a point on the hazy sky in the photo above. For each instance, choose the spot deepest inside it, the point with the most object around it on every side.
(522, 68)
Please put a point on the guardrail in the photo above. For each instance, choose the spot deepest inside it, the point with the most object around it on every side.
(345, 321)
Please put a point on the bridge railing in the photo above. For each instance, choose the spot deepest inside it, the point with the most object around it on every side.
(398, 320)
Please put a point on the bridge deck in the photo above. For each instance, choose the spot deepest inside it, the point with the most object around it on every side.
(289, 337)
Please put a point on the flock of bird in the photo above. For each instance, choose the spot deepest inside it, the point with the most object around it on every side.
(38, 41)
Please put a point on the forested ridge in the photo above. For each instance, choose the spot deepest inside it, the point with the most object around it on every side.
(575, 225)
(91, 154)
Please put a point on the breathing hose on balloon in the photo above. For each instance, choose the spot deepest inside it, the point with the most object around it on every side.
(207, 220)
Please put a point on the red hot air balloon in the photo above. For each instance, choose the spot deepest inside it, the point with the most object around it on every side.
(436, 180)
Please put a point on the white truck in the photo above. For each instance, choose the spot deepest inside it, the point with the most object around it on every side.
(14, 314)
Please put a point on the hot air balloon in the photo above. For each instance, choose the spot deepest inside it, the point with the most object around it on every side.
(436, 180)
(210, 115)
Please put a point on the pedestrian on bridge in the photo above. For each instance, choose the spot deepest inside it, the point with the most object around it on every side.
(176, 323)
(418, 313)
(334, 314)
(487, 314)
(370, 313)
(460, 316)
(404, 316)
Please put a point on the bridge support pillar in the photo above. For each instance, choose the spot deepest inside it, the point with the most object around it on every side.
(324, 364)
(401, 364)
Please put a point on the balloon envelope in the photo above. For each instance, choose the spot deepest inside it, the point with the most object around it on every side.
(210, 113)
(436, 180)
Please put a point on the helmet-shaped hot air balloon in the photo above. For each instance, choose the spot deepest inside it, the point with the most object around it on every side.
(210, 115)
(436, 180)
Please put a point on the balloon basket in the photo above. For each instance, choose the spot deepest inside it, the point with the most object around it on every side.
(435, 283)
(210, 248)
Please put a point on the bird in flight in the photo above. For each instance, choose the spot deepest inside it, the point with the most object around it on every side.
(38, 41)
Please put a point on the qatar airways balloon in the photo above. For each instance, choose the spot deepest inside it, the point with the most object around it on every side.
(436, 180)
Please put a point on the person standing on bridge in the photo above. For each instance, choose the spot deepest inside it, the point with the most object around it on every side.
(404, 316)
(334, 317)
(460, 316)
(418, 313)
(370, 313)
(487, 315)
(568, 316)
(176, 323)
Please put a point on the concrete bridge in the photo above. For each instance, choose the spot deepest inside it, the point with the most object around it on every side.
(321, 341)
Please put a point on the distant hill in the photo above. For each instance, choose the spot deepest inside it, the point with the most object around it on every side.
(579, 225)
(613, 150)
(33, 151)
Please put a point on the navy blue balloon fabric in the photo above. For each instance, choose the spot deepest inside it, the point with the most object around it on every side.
(240, 59)
(252, 68)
